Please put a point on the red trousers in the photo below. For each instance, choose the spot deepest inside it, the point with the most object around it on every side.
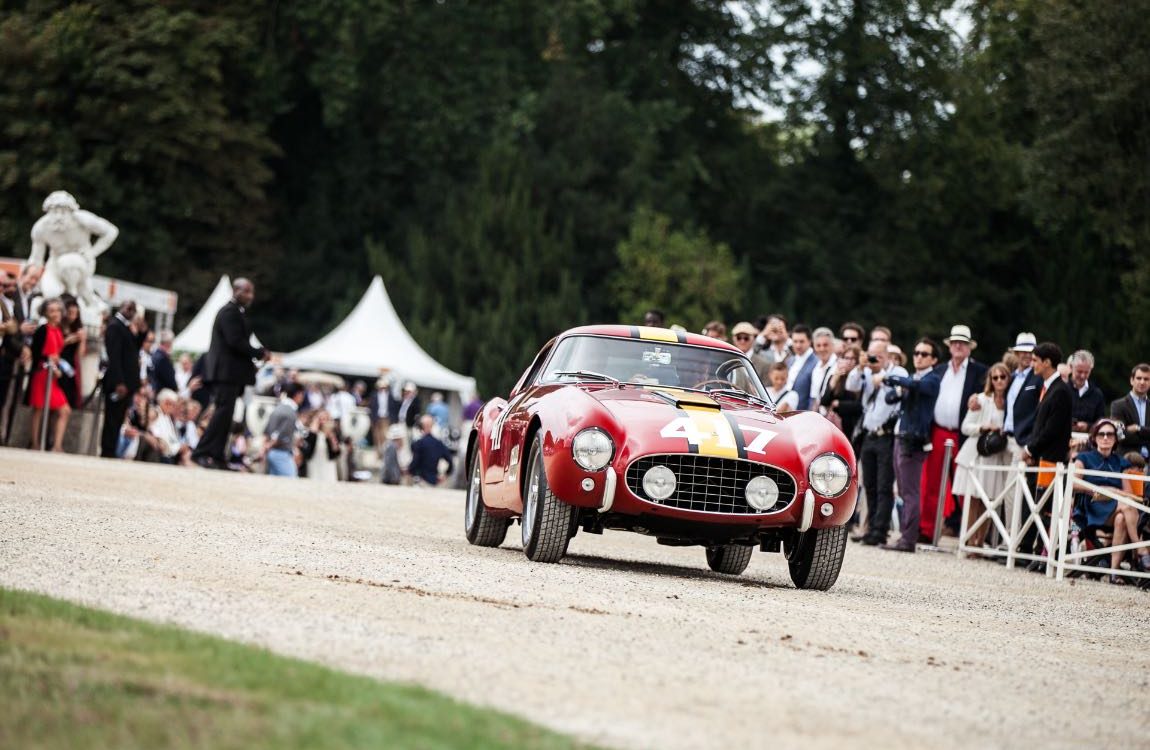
(932, 475)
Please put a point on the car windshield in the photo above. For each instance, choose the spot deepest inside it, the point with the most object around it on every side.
(651, 363)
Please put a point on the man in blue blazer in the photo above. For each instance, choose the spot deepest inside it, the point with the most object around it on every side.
(799, 377)
(917, 393)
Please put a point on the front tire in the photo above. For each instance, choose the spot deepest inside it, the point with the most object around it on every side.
(482, 529)
(547, 520)
(817, 556)
(731, 559)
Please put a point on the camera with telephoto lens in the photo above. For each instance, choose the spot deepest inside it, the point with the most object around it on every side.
(871, 359)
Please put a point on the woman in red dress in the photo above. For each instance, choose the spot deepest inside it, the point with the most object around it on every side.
(46, 358)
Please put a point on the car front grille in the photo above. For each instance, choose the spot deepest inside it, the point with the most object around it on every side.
(706, 484)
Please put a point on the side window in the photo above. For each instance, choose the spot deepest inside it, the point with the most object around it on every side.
(532, 372)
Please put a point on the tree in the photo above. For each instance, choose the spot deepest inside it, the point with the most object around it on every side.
(683, 273)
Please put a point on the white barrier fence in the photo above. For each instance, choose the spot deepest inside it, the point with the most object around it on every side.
(1015, 509)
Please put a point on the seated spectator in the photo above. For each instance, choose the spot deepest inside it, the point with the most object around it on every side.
(427, 452)
(783, 398)
(168, 446)
(1094, 510)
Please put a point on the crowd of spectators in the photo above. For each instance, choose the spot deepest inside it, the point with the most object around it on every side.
(1028, 404)
(157, 405)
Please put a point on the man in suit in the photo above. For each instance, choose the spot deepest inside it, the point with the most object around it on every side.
(961, 377)
(1050, 439)
(802, 366)
(1089, 405)
(228, 369)
(917, 394)
(1131, 411)
(121, 376)
(1021, 396)
(162, 373)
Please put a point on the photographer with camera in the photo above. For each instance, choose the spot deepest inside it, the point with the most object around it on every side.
(877, 455)
(916, 394)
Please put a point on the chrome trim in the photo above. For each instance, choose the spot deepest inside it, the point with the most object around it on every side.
(741, 496)
(609, 482)
(850, 476)
(808, 510)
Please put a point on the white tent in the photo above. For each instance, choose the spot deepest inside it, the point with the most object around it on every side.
(197, 335)
(371, 339)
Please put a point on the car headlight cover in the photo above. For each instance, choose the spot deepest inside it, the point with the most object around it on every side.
(659, 482)
(762, 493)
(829, 475)
(592, 449)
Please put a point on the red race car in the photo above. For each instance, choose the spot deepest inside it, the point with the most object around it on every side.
(662, 433)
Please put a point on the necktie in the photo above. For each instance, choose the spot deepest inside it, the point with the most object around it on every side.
(1042, 393)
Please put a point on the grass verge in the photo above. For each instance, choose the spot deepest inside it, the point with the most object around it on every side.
(73, 677)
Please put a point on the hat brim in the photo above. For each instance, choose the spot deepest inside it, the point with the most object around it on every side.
(1023, 348)
(963, 339)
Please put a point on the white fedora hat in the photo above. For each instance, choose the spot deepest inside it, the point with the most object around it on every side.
(1025, 342)
(960, 333)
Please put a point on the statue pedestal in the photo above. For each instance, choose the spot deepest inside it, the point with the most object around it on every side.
(82, 435)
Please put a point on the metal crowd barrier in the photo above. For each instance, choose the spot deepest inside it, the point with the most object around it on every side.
(1054, 535)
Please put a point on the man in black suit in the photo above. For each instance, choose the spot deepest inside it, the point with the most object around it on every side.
(1131, 410)
(11, 341)
(961, 377)
(1089, 405)
(228, 369)
(121, 376)
(1050, 439)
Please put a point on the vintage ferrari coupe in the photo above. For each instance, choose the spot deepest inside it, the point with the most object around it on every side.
(662, 433)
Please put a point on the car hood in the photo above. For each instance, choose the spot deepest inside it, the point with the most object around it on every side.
(671, 420)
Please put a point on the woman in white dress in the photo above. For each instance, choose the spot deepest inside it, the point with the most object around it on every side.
(987, 418)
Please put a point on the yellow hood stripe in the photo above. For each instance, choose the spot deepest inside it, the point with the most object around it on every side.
(717, 436)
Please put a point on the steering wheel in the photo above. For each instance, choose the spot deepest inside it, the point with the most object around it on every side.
(719, 382)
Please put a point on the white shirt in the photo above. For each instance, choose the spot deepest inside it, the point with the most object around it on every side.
(778, 398)
(947, 408)
(820, 376)
(797, 366)
(876, 411)
(182, 378)
(165, 429)
(9, 305)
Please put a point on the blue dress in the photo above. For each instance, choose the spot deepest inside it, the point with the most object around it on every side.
(1098, 512)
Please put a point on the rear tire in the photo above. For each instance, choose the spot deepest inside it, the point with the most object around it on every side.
(731, 559)
(547, 520)
(482, 529)
(817, 557)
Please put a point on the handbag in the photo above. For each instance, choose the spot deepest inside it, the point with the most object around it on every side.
(990, 443)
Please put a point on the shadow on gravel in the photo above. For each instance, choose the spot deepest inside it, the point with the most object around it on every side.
(663, 569)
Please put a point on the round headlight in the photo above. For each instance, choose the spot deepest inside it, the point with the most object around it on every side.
(829, 475)
(659, 482)
(762, 493)
(592, 449)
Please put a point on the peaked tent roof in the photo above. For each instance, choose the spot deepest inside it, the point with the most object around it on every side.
(197, 335)
(372, 338)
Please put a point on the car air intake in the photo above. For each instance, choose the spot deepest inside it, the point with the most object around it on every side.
(706, 484)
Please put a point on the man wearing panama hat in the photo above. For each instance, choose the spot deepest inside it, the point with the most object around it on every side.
(961, 376)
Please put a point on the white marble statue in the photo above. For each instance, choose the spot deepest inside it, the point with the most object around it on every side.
(64, 233)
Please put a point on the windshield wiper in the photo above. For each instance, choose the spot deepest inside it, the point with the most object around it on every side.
(738, 393)
(587, 375)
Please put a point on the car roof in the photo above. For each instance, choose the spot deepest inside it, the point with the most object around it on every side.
(648, 333)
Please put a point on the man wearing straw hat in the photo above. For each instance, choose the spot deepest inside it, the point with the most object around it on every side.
(961, 377)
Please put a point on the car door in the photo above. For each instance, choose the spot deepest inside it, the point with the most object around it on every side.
(504, 453)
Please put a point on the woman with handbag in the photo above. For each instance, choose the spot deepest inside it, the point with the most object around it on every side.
(44, 391)
(985, 445)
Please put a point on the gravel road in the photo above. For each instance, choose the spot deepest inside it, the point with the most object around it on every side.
(625, 643)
